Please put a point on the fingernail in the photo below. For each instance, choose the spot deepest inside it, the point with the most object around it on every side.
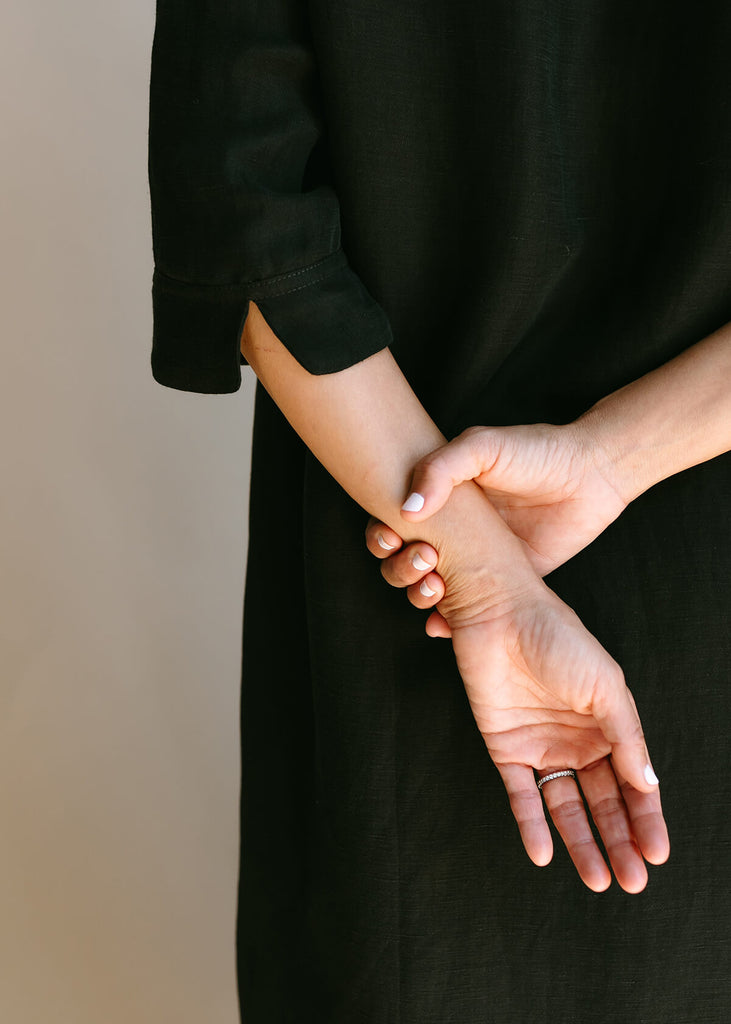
(650, 776)
(414, 503)
(426, 590)
(383, 544)
(418, 562)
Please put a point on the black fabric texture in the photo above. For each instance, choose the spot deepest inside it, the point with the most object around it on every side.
(241, 202)
(535, 203)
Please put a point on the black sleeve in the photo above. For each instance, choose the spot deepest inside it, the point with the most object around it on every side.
(241, 204)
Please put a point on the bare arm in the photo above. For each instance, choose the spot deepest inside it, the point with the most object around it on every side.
(677, 416)
(543, 691)
(367, 427)
(559, 486)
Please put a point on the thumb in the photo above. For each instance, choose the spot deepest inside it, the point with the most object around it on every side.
(471, 454)
(617, 716)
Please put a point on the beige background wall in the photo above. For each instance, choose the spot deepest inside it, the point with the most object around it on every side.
(122, 555)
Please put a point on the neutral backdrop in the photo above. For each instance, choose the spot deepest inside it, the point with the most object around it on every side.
(122, 559)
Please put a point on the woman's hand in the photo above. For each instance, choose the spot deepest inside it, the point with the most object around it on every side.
(553, 486)
(546, 696)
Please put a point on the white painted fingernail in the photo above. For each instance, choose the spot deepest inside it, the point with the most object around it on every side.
(650, 776)
(383, 544)
(418, 562)
(426, 590)
(414, 503)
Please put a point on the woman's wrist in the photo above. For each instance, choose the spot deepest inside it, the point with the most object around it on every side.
(674, 417)
(628, 462)
(483, 564)
(368, 429)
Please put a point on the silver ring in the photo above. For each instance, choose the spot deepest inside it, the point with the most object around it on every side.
(556, 775)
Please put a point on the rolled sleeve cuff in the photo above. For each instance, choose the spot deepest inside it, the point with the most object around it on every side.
(322, 313)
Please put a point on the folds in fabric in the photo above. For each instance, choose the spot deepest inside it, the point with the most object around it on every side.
(241, 199)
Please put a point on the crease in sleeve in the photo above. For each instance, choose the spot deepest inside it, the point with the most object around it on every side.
(323, 314)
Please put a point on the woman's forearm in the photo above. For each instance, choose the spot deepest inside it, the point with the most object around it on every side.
(368, 429)
(674, 417)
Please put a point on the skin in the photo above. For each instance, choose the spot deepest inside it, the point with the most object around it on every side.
(543, 691)
(558, 488)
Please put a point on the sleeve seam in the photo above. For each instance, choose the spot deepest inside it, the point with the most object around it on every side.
(268, 292)
(299, 272)
(264, 286)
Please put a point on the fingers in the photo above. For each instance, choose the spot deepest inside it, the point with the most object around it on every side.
(437, 625)
(614, 709)
(612, 818)
(381, 540)
(630, 824)
(648, 823)
(470, 454)
(408, 567)
(427, 592)
(568, 813)
(527, 808)
(412, 567)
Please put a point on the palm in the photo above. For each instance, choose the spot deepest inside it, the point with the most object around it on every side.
(545, 694)
(543, 691)
(531, 675)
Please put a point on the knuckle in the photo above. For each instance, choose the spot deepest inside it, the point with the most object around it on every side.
(617, 846)
(526, 806)
(579, 843)
(610, 685)
(434, 461)
(471, 432)
(570, 809)
(607, 808)
(394, 572)
(477, 442)
(615, 676)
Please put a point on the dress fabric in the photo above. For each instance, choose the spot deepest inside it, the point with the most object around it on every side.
(535, 203)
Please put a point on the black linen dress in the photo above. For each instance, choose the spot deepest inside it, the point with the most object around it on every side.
(535, 205)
